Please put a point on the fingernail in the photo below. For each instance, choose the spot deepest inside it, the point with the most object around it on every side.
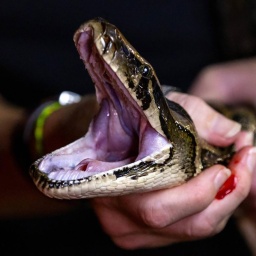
(168, 89)
(251, 159)
(248, 138)
(235, 129)
(221, 177)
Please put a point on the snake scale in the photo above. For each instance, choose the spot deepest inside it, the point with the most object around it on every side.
(138, 141)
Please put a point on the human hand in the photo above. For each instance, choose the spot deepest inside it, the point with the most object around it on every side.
(233, 83)
(68, 123)
(19, 198)
(189, 211)
(10, 117)
(230, 83)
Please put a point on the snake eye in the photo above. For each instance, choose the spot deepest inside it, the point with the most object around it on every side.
(145, 71)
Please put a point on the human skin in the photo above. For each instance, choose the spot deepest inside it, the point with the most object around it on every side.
(189, 211)
(233, 83)
(183, 213)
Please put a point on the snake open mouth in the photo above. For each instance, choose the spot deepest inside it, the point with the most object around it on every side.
(119, 134)
(137, 142)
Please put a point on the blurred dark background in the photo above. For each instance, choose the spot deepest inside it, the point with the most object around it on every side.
(178, 38)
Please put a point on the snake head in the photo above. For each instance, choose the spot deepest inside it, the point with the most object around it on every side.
(137, 141)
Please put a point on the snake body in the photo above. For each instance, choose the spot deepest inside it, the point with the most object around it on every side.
(139, 141)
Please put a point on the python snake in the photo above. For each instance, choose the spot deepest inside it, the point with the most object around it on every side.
(139, 141)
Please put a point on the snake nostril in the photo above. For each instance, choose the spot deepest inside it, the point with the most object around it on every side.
(125, 50)
(106, 43)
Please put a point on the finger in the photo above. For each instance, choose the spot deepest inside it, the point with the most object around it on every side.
(244, 139)
(213, 218)
(201, 217)
(211, 125)
(144, 239)
(253, 190)
(161, 208)
(232, 82)
(210, 84)
(164, 207)
(115, 220)
(242, 165)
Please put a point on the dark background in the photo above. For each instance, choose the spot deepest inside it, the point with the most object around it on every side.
(38, 55)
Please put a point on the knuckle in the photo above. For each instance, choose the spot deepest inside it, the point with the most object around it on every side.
(193, 104)
(190, 102)
(212, 75)
(205, 228)
(155, 215)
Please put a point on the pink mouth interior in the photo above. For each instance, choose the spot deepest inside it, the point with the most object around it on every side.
(118, 135)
